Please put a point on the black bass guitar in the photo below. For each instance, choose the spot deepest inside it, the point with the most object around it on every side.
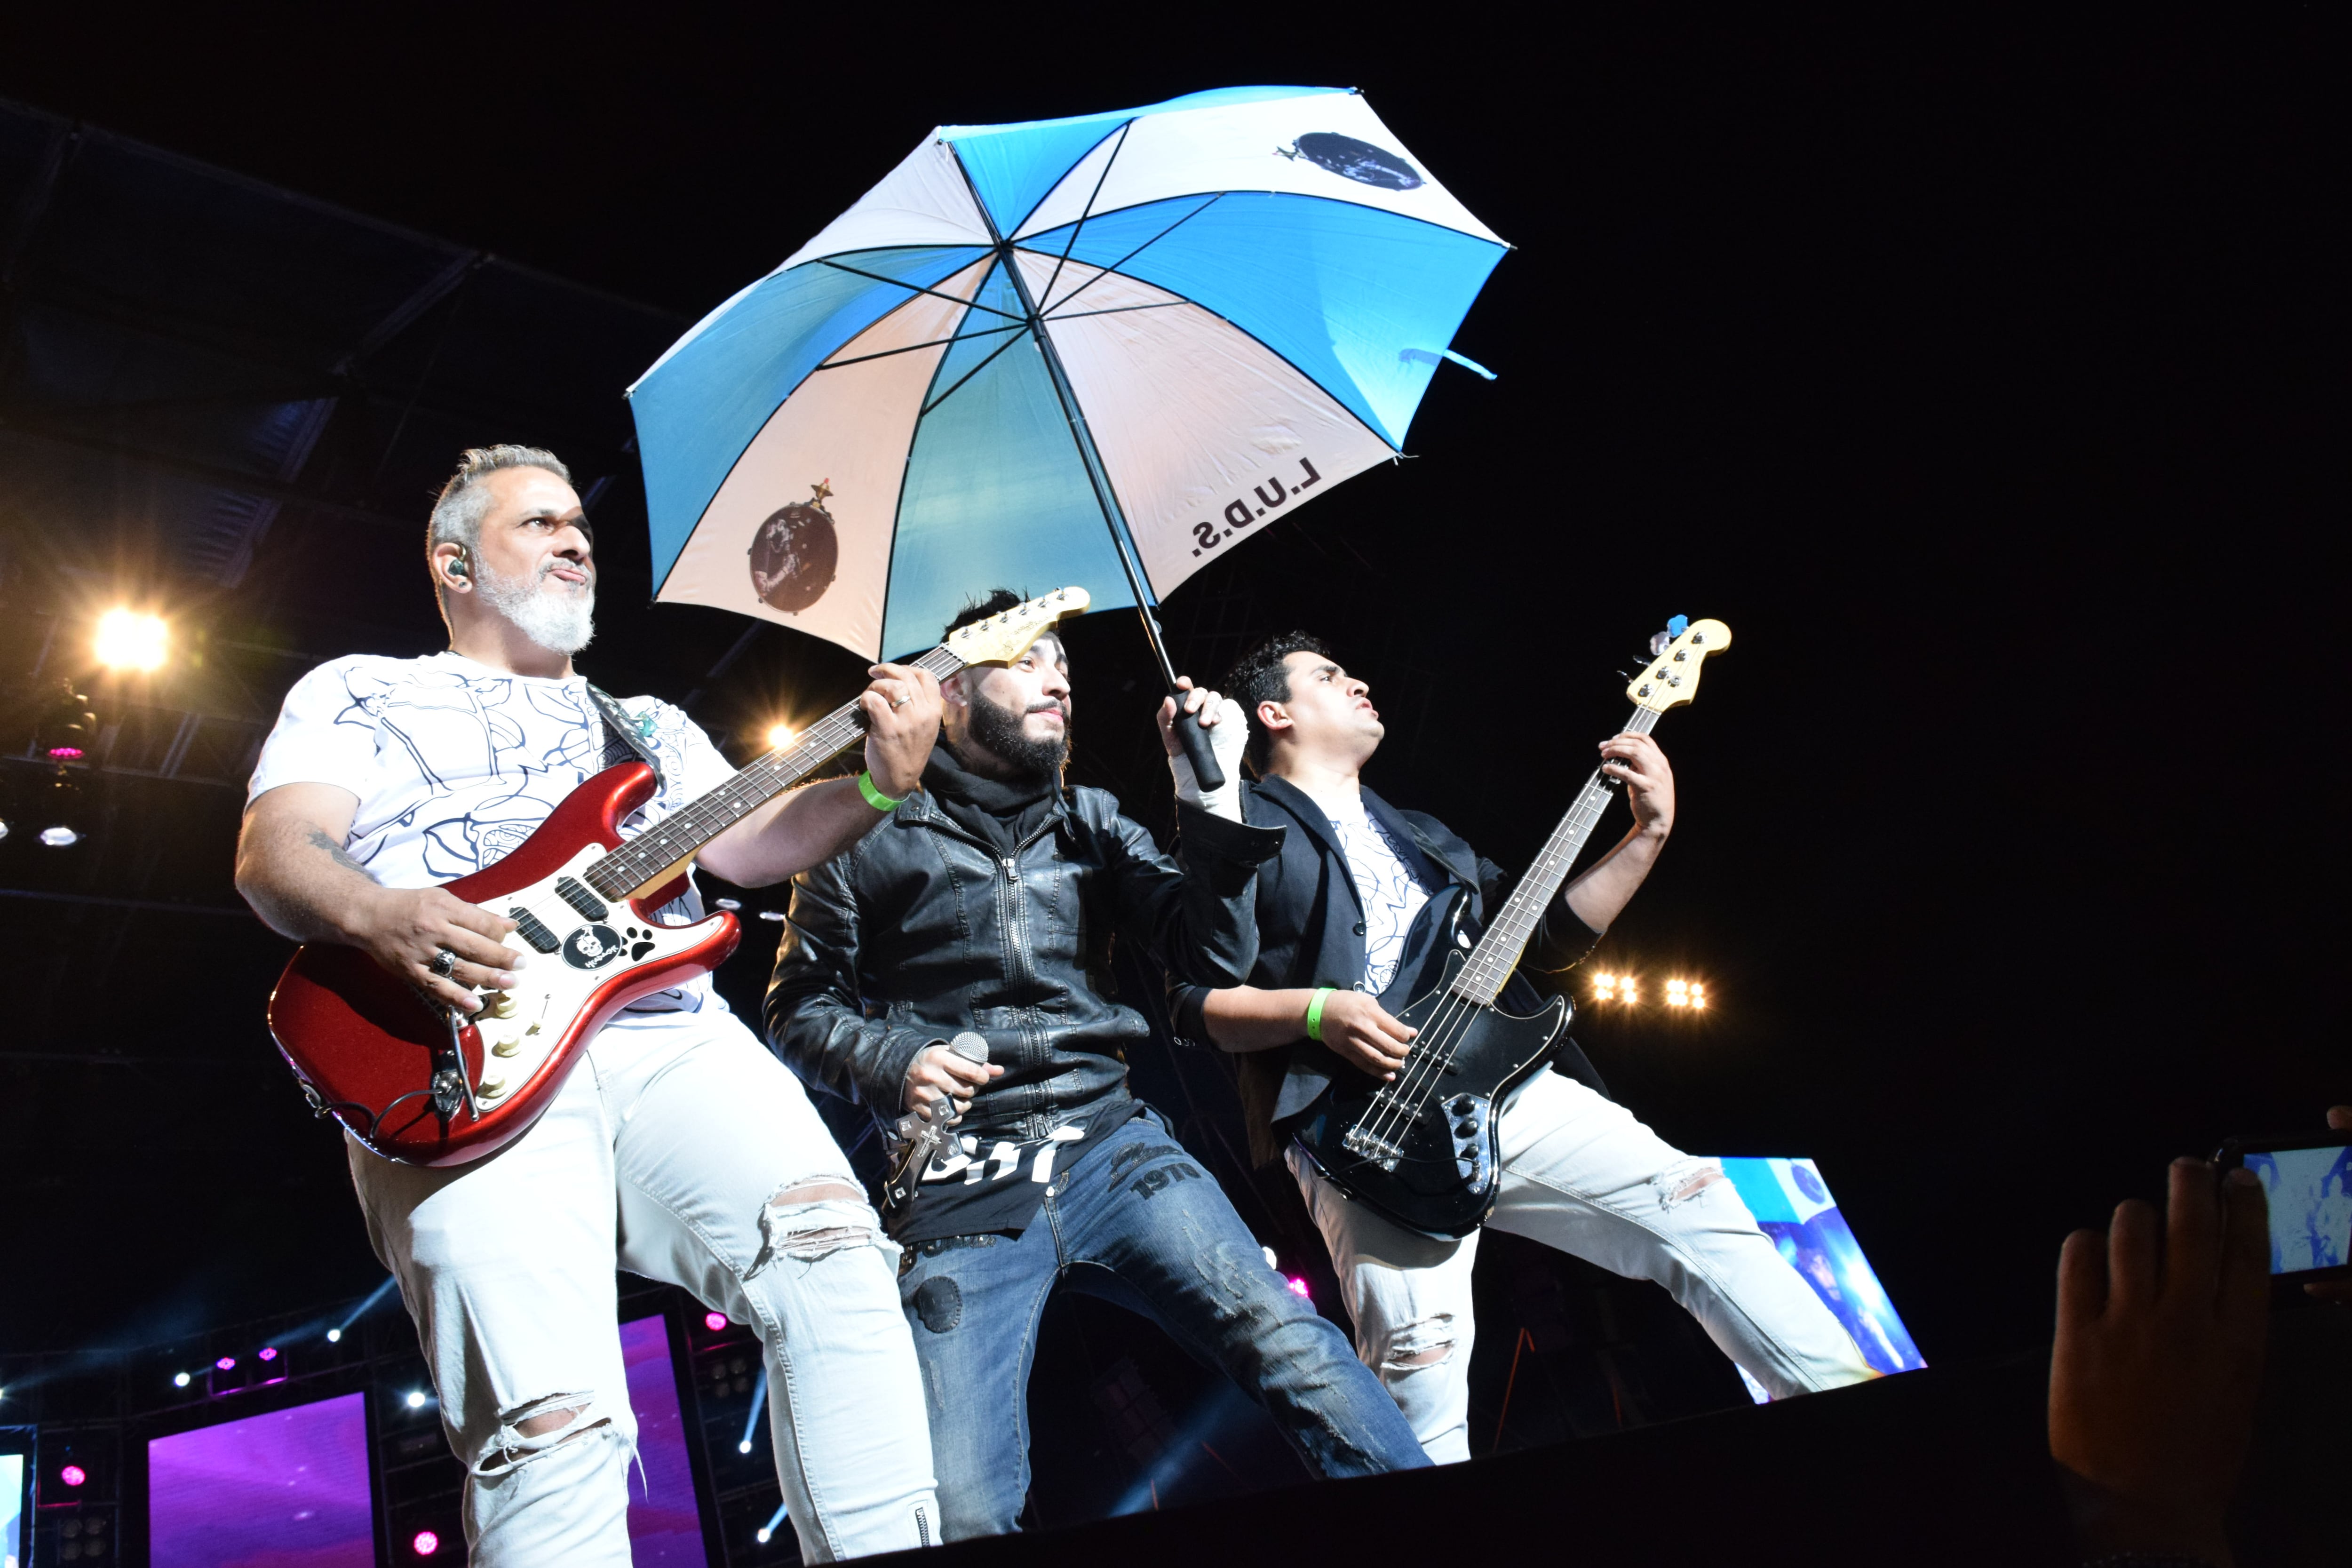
(1423, 1150)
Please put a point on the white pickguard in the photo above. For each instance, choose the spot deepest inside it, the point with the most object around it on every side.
(525, 1024)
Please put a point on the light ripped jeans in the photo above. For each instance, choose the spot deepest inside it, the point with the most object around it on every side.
(1580, 1174)
(682, 1151)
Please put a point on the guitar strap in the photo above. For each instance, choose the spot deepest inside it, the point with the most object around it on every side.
(624, 737)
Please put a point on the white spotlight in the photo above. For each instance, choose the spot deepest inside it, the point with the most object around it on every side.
(415, 1400)
(130, 640)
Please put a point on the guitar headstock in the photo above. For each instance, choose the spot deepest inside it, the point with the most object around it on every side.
(1006, 636)
(1671, 679)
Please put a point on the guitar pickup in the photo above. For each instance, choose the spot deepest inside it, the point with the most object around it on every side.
(533, 929)
(571, 890)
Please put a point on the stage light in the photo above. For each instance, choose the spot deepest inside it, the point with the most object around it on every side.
(60, 837)
(73, 1475)
(226, 1363)
(415, 1400)
(179, 1380)
(334, 1336)
(268, 1352)
(1677, 994)
(767, 1532)
(130, 640)
(425, 1543)
(779, 737)
(1298, 1287)
(714, 1322)
(765, 1535)
(744, 1446)
(4, 828)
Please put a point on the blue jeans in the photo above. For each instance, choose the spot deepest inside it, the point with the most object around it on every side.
(1139, 1222)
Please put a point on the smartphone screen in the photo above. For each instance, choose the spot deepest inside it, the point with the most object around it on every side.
(2310, 1193)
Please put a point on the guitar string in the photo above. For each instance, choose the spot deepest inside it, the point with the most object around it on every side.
(767, 776)
(1515, 925)
(1434, 1049)
(1525, 912)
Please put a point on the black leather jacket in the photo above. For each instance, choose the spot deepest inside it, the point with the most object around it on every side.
(921, 930)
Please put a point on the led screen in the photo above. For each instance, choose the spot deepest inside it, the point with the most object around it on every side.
(2310, 1206)
(11, 1510)
(665, 1527)
(1793, 1206)
(286, 1489)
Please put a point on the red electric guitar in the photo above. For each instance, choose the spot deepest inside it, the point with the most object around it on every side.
(424, 1084)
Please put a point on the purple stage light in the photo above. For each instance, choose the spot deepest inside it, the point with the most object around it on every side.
(269, 1352)
(714, 1322)
(425, 1544)
(1298, 1287)
(286, 1487)
(665, 1525)
(73, 1475)
(226, 1363)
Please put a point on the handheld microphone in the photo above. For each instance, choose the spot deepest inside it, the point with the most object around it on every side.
(923, 1136)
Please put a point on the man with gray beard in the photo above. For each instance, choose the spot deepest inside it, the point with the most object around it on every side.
(679, 1149)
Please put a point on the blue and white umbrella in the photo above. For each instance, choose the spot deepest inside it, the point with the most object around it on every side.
(1178, 321)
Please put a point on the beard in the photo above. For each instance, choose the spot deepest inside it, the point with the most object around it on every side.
(562, 626)
(999, 731)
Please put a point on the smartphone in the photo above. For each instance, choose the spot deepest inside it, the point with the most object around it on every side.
(2308, 1179)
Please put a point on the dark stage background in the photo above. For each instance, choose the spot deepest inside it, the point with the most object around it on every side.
(1970, 372)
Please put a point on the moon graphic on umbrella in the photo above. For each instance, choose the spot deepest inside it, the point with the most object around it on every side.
(1358, 161)
(793, 553)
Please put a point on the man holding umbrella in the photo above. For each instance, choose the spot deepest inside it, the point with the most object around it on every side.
(1579, 1172)
(988, 904)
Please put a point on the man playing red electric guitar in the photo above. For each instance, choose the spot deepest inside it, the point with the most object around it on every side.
(679, 1149)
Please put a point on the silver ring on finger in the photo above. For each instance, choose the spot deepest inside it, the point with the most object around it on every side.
(444, 964)
(900, 702)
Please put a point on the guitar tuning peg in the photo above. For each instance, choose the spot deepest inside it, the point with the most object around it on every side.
(1659, 643)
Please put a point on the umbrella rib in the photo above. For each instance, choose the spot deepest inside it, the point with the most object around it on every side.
(918, 289)
(1139, 250)
(967, 376)
(1085, 212)
(1107, 310)
(935, 343)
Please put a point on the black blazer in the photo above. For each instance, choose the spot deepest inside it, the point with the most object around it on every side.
(1310, 932)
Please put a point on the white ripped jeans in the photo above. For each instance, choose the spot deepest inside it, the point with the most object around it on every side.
(680, 1150)
(1582, 1175)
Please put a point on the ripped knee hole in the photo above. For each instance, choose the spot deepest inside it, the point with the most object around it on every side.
(1429, 1343)
(1681, 1186)
(794, 1222)
(532, 1430)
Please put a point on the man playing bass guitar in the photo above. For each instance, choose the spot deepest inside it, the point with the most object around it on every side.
(678, 1148)
(1335, 913)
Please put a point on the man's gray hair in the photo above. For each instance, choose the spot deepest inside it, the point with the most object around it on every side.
(458, 515)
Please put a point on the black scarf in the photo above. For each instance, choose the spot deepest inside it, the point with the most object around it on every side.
(999, 812)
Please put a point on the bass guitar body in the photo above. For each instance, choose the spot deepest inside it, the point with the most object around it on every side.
(414, 1083)
(1423, 1150)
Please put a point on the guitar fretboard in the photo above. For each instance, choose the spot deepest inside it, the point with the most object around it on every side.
(1498, 952)
(688, 829)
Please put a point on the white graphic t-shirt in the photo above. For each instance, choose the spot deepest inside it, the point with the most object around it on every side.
(454, 764)
(1391, 894)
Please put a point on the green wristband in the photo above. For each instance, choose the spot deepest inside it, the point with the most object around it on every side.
(1315, 1012)
(875, 797)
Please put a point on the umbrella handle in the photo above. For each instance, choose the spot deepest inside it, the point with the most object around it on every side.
(1197, 747)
